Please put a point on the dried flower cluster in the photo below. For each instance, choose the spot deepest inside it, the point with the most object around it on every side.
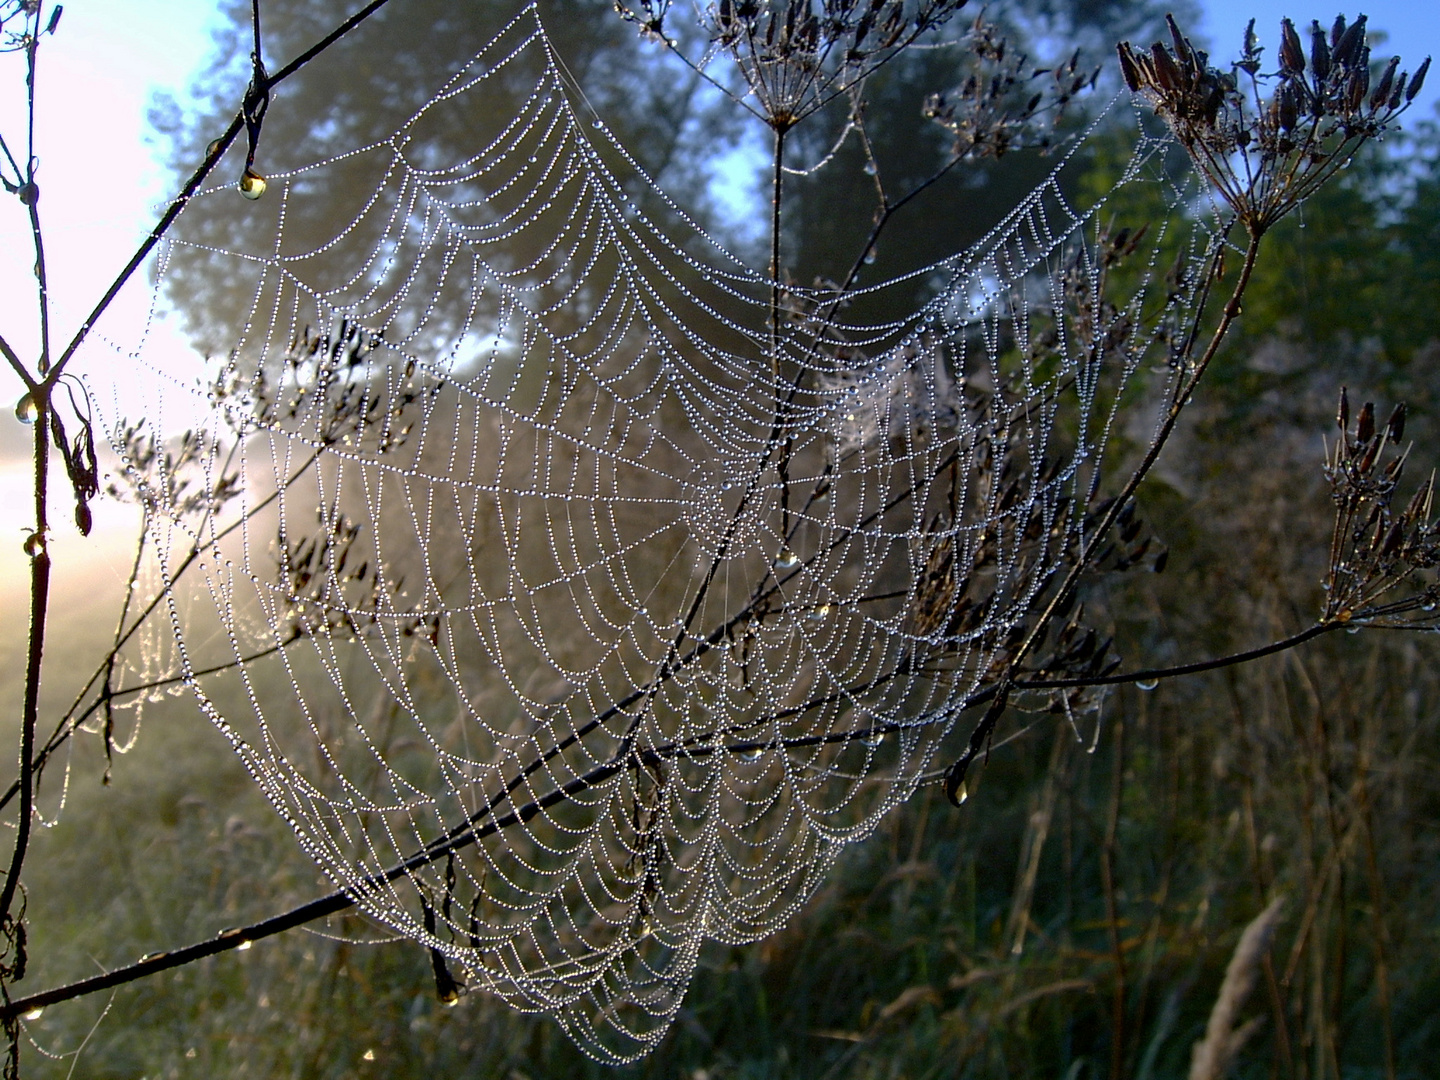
(1001, 104)
(1377, 555)
(154, 473)
(1266, 154)
(795, 56)
(328, 587)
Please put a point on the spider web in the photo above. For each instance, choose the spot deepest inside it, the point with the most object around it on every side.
(574, 608)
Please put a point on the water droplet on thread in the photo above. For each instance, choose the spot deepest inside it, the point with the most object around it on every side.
(35, 545)
(870, 257)
(787, 559)
(26, 410)
(1146, 684)
(870, 168)
(214, 147)
(750, 753)
(369, 1055)
(821, 611)
(252, 185)
(35, 1014)
(962, 793)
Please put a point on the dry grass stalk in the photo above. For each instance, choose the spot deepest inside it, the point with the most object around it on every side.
(1213, 1055)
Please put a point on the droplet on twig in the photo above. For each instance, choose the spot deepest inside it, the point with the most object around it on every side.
(252, 184)
(26, 409)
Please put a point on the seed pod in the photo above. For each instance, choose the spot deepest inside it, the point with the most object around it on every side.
(1418, 81)
(1292, 56)
(1381, 93)
(1128, 67)
(1319, 53)
(1167, 72)
(1351, 43)
(1356, 89)
(1398, 94)
(1393, 539)
(1183, 48)
(1288, 107)
(1395, 426)
(1365, 423)
(1337, 31)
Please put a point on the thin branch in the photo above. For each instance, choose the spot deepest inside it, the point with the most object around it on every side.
(198, 177)
(1155, 674)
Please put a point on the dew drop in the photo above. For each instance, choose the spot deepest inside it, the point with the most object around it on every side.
(252, 184)
(35, 1014)
(874, 739)
(869, 256)
(214, 147)
(787, 559)
(725, 485)
(26, 410)
(368, 1055)
(35, 545)
(750, 753)
(1352, 630)
(870, 169)
(962, 793)
(599, 125)
(820, 612)
(243, 946)
(1146, 684)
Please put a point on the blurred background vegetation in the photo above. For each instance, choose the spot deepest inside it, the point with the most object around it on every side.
(1075, 918)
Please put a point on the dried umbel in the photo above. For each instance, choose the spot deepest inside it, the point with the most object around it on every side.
(1381, 560)
(1004, 103)
(1268, 141)
(795, 56)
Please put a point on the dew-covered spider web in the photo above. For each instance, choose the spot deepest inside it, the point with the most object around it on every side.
(575, 606)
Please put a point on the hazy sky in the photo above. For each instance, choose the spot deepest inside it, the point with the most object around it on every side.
(100, 183)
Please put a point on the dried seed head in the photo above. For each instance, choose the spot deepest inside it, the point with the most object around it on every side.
(1319, 52)
(1418, 81)
(1292, 56)
(1395, 426)
(1349, 47)
(1342, 415)
(1381, 94)
(1365, 423)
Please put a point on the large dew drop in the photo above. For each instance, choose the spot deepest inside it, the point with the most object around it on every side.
(252, 184)
(35, 545)
(26, 410)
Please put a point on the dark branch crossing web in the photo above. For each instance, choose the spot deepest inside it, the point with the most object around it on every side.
(594, 615)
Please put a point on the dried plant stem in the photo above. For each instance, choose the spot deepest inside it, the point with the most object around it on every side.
(1214, 1053)
(1184, 389)
(34, 662)
(1112, 913)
